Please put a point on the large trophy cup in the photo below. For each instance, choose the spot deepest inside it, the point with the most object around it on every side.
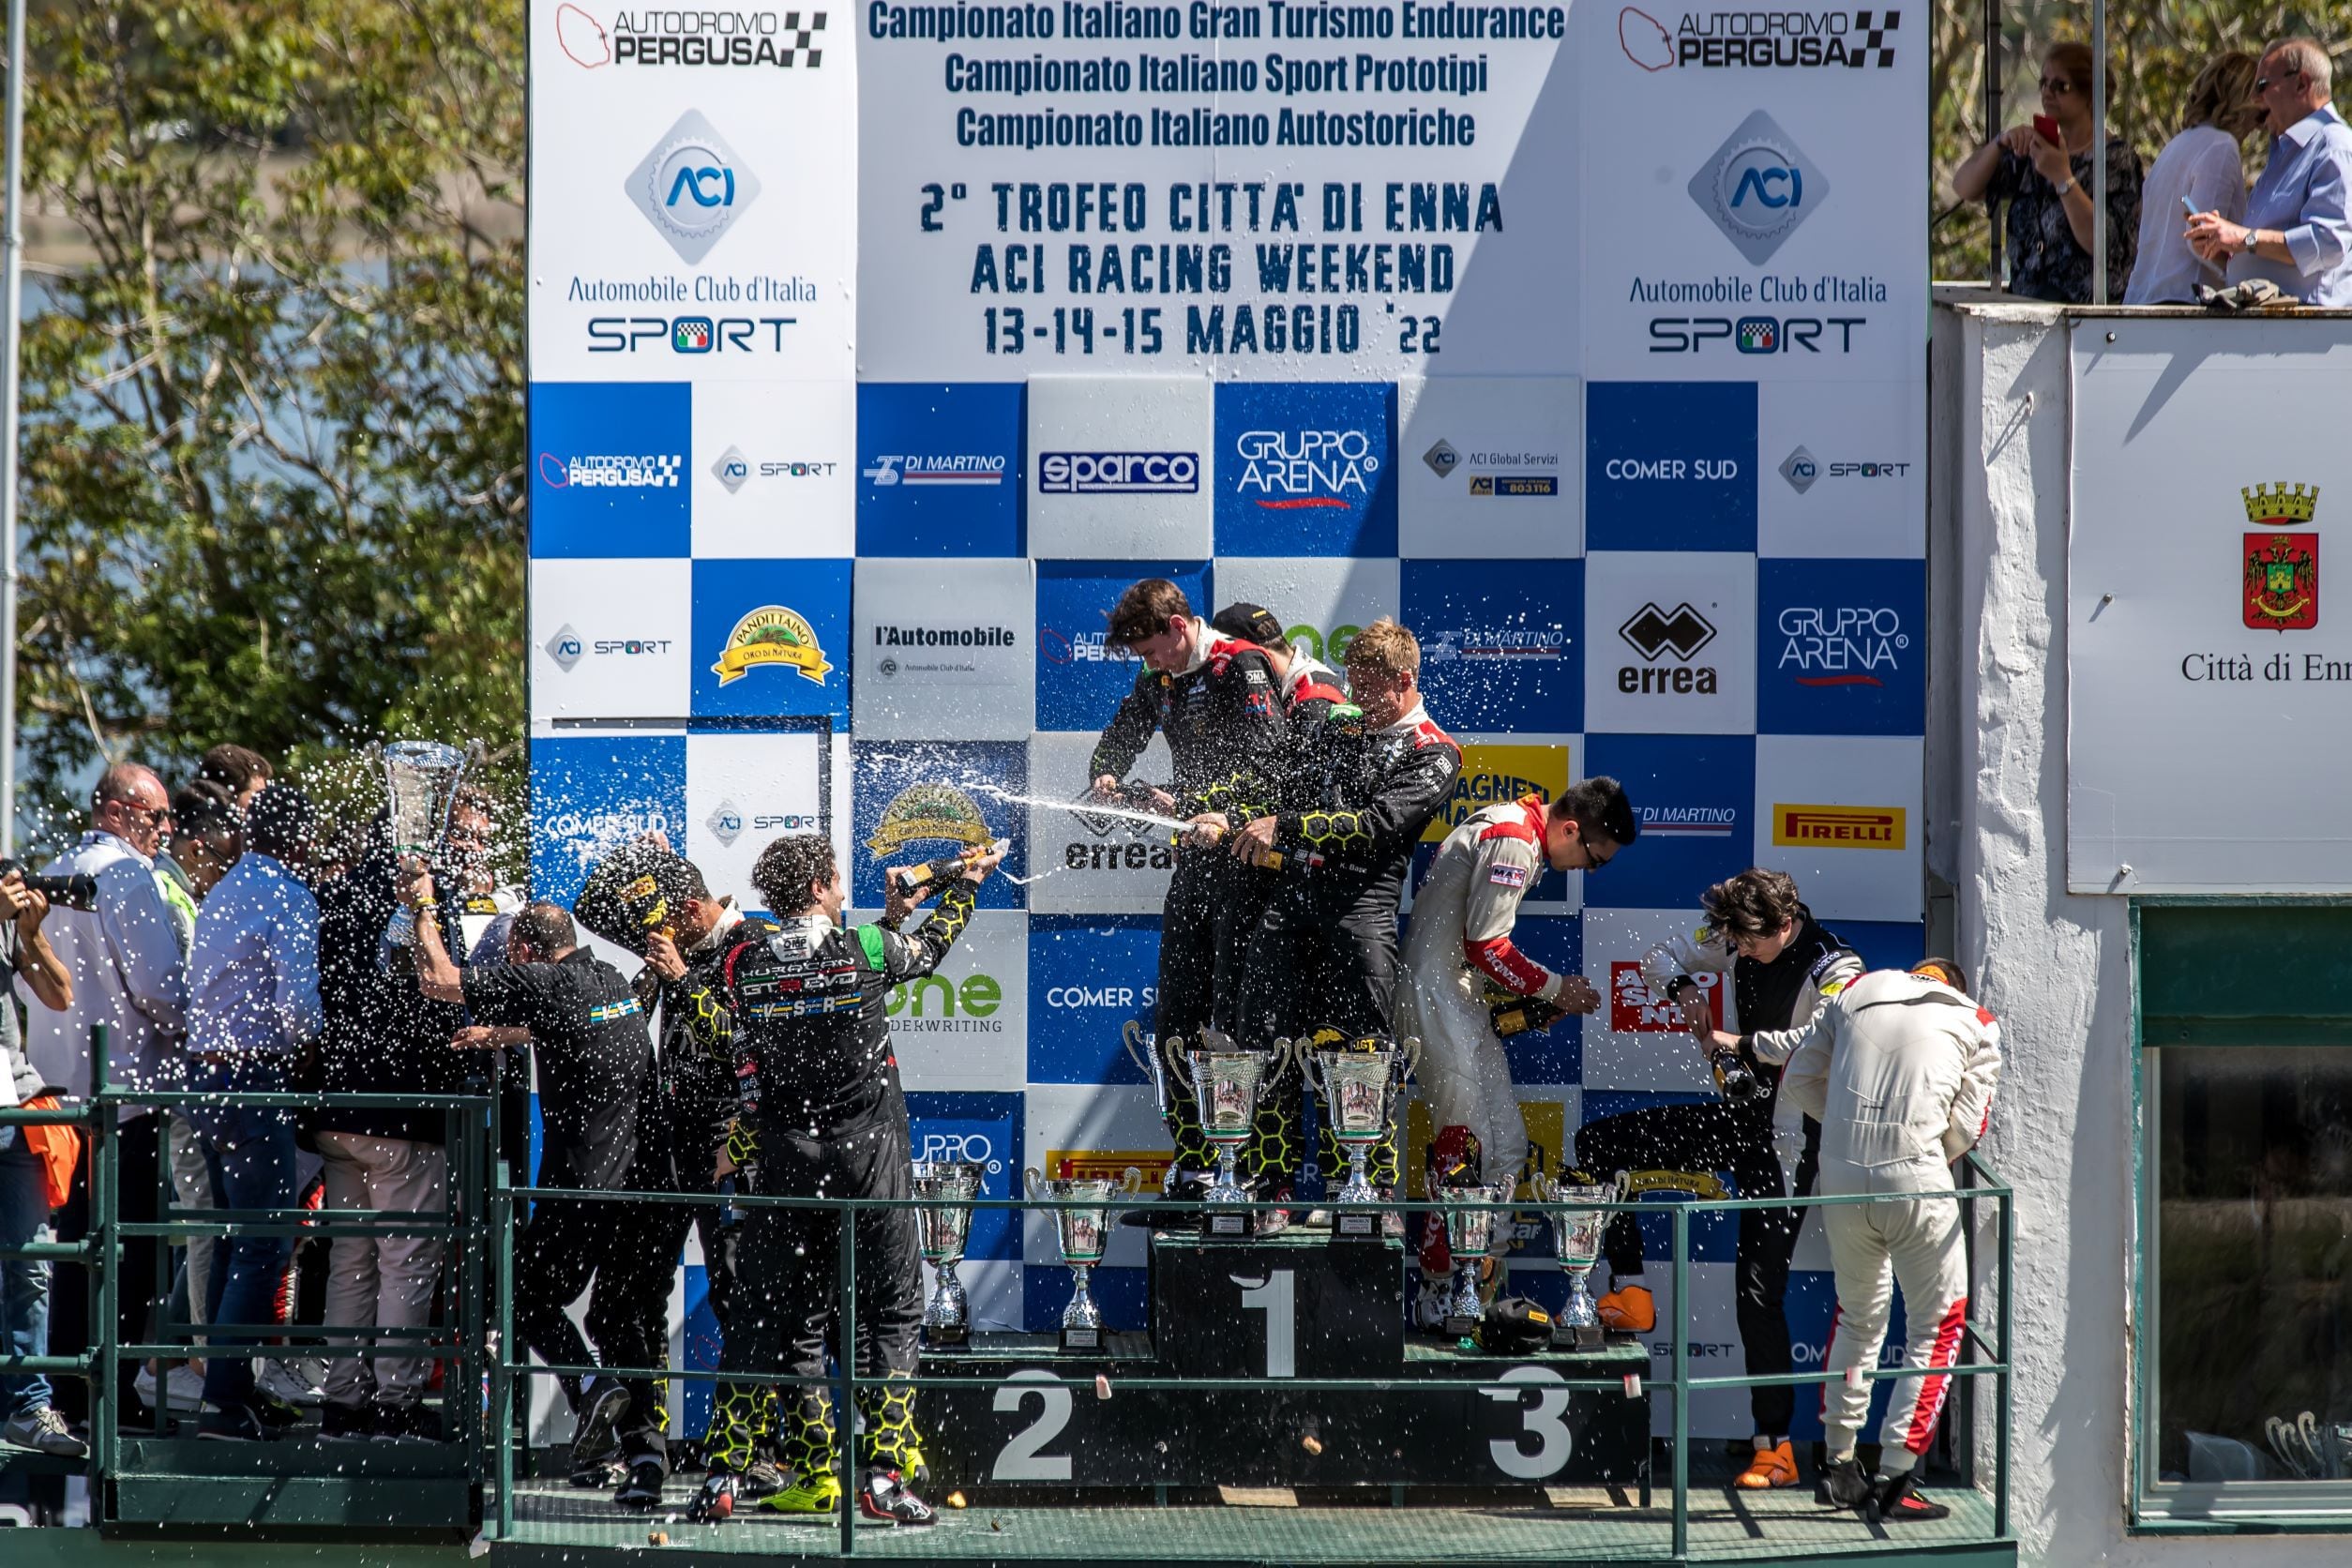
(421, 778)
(1226, 1082)
(1359, 1091)
(1163, 1062)
(1469, 1231)
(1081, 1231)
(945, 1188)
(1576, 1228)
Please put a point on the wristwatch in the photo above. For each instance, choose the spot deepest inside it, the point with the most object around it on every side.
(2066, 187)
(2246, 246)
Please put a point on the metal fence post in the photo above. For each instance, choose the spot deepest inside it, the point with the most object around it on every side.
(845, 1351)
(2000, 1417)
(104, 1439)
(502, 1219)
(1682, 1388)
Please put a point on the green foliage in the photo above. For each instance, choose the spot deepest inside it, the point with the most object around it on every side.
(274, 426)
(2155, 49)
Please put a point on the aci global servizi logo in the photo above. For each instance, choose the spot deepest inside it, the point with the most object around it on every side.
(1759, 188)
(691, 187)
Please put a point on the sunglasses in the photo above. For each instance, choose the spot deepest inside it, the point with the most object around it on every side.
(2057, 89)
(2262, 83)
(1593, 860)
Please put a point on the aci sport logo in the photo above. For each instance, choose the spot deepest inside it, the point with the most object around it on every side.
(1759, 189)
(692, 187)
(2281, 573)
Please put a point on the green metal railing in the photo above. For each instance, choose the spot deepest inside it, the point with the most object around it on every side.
(486, 1210)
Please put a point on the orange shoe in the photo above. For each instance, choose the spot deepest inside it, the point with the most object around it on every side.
(1771, 1468)
(1628, 1309)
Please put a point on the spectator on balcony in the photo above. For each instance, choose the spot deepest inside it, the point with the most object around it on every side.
(2295, 232)
(241, 771)
(2050, 215)
(2204, 167)
(26, 1197)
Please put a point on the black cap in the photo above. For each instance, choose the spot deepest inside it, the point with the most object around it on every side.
(1252, 623)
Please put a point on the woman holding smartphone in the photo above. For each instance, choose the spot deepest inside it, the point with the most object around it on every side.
(2043, 170)
(2201, 170)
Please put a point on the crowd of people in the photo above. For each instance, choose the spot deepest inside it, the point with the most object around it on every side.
(751, 1055)
(2190, 222)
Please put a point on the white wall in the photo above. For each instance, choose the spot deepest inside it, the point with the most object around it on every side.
(2056, 967)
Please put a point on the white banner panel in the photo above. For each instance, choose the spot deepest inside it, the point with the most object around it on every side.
(692, 208)
(1119, 467)
(1669, 642)
(610, 640)
(1083, 1130)
(945, 648)
(1093, 864)
(774, 470)
(1323, 602)
(966, 1026)
(1841, 814)
(743, 792)
(2208, 679)
(1281, 192)
(1490, 467)
(1636, 1040)
(1841, 469)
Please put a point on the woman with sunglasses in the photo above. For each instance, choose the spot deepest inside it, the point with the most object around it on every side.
(2045, 184)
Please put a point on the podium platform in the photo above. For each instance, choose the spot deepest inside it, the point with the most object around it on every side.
(1273, 1313)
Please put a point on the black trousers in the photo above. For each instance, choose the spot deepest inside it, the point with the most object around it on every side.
(1710, 1138)
(655, 1264)
(1212, 905)
(72, 1301)
(1317, 957)
(788, 1314)
(565, 1245)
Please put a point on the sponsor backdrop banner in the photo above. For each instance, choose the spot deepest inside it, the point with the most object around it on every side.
(875, 351)
(2199, 603)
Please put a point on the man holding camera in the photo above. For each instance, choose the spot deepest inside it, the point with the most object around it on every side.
(1783, 968)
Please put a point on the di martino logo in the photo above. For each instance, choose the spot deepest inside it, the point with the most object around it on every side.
(652, 470)
(1684, 823)
(929, 814)
(1491, 775)
(1510, 642)
(1443, 460)
(958, 468)
(566, 648)
(1085, 647)
(1659, 635)
(1759, 189)
(1291, 470)
(1110, 1165)
(734, 470)
(2281, 572)
(695, 38)
(691, 187)
(1837, 827)
(772, 634)
(1716, 40)
(1850, 645)
(1636, 1009)
(1119, 472)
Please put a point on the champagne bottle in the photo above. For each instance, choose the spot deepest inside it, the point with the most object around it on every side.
(1734, 1078)
(910, 877)
(1519, 1014)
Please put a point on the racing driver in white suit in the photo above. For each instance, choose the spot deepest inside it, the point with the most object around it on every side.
(1899, 1069)
(1459, 947)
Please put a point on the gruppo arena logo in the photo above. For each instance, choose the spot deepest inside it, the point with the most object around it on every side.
(1758, 188)
(772, 634)
(1717, 40)
(2281, 570)
(691, 187)
(1843, 644)
(700, 36)
(1292, 470)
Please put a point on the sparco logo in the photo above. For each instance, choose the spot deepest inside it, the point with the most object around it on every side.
(1713, 40)
(692, 186)
(1848, 646)
(1282, 470)
(795, 39)
(1654, 633)
(1759, 188)
(1119, 472)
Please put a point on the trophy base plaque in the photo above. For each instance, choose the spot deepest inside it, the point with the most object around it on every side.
(1357, 1224)
(1229, 1225)
(1457, 1327)
(956, 1338)
(1588, 1336)
(1081, 1341)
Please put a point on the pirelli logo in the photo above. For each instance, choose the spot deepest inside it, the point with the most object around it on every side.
(1838, 827)
(1110, 1165)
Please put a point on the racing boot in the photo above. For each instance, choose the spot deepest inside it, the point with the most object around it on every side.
(1847, 1483)
(641, 1492)
(1896, 1500)
(1775, 1465)
(1628, 1309)
(885, 1495)
(808, 1494)
(714, 1502)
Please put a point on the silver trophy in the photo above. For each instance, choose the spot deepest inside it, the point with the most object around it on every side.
(945, 1188)
(1469, 1232)
(1163, 1062)
(1226, 1082)
(1081, 1231)
(1576, 1226)
(421, 778)
(1358, 1090)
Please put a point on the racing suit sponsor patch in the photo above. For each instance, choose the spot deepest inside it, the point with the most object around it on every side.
(1508, 876)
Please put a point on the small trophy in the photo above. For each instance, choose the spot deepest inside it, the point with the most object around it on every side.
(1228, 1084)
(945, 1188)
(1081, 1232)
(1577, 1229)
(1163, 1062)
(421, 778)
(1357, 1087)
(1468, 1233)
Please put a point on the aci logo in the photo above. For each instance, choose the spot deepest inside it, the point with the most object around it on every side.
(1800, 469)
(1758, 188)
(1442, 459)
(565, 647)
(691, 187)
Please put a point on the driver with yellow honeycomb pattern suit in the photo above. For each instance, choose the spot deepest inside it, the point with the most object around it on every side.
(1322, 954)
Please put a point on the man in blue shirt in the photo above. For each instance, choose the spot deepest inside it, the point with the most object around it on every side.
(2295, 233)
(253, 990)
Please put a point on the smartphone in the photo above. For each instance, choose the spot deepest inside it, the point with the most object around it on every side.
(2188, 206)
(2048, 130)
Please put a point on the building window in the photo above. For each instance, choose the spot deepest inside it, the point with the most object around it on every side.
(2246, 1260)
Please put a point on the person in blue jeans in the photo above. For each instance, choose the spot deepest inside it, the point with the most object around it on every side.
(27, 1420)
(253, 993)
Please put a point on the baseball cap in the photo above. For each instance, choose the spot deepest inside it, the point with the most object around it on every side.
(1251, 623)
